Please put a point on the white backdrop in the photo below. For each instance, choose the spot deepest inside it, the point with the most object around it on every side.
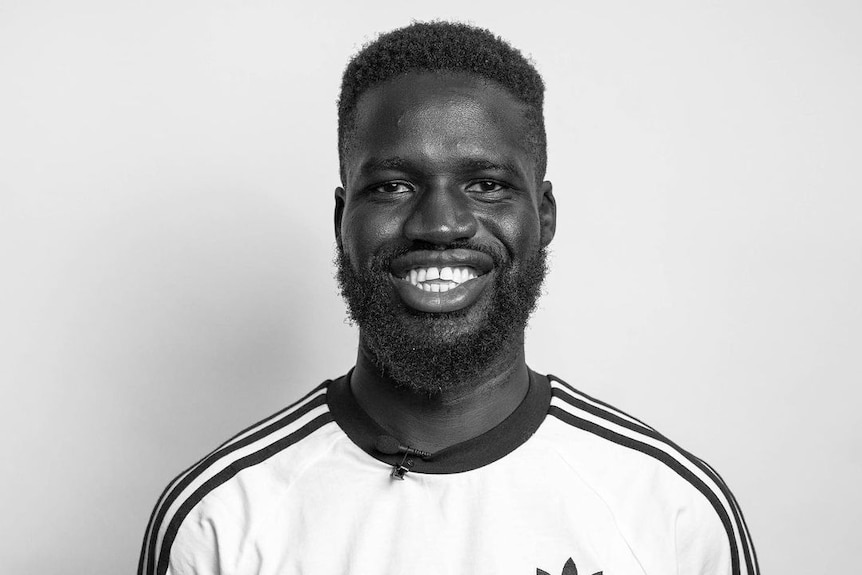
(166, 178)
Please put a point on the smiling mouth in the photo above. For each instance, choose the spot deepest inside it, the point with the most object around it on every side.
(434, 279)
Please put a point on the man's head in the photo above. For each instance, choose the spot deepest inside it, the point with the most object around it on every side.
(444, 47)
(441, 177)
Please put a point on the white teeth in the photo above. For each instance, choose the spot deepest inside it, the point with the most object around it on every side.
(451, 277)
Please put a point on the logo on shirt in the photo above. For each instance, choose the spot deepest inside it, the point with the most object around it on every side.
(568, 569)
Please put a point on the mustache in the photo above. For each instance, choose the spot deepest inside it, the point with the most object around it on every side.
(382, 259)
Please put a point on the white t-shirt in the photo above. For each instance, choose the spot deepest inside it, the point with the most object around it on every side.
(566, 484)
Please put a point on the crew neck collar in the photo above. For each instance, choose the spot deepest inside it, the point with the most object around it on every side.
(474, 453)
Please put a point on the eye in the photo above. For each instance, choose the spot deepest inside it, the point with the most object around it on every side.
(390, 188)
(486, 186)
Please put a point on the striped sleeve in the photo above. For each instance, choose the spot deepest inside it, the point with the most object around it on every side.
(588, 414)
(249, 447)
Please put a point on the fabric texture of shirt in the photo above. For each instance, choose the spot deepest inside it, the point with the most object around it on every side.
(566, 484)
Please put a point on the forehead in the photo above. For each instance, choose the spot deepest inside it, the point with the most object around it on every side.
(438, 117)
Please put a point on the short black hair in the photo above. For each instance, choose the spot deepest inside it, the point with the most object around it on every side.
(441, 46)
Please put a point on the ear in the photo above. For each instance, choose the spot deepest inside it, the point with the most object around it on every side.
(339, 213)
(547, 213)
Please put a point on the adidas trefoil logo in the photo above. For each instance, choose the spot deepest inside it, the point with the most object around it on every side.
(568, 569)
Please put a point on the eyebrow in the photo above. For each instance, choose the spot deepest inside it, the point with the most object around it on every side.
(463, 165)
(475, 165)
(393, 163)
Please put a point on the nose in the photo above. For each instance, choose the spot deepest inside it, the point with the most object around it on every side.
(442, 214)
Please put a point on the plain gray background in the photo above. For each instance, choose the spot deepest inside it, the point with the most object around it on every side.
(166, 179)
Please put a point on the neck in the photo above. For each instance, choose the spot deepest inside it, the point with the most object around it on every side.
(450, 416)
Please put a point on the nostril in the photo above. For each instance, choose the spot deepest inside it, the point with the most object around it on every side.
(441, 224)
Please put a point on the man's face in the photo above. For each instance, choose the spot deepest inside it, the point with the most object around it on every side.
(441, 226)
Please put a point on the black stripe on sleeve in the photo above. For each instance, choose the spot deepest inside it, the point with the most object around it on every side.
(278, 413)
(747, 546)
(608, 406)
(750, 561)
(170, 485)
(740, 516)
(147, 566)
(665, 458)
(149, 529)
(227, 473)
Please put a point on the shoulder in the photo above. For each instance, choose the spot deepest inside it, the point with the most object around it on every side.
(222, 482)
(633, 466)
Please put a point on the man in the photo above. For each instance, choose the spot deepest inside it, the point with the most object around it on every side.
(441, 451)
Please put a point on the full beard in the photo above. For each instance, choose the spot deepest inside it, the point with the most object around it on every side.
(430, 353)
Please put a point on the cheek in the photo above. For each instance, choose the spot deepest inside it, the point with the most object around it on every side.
(365, 230)
(518, 230)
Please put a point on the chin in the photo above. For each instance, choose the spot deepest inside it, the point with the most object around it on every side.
(429, 352)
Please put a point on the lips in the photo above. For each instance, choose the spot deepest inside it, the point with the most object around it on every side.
(441, 281)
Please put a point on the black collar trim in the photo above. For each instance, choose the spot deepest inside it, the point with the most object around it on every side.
(474, 453)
